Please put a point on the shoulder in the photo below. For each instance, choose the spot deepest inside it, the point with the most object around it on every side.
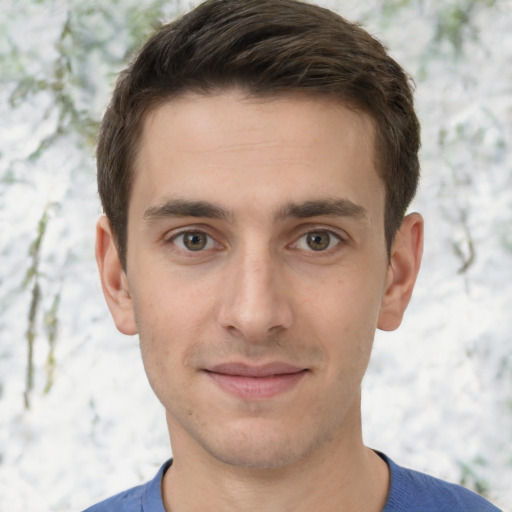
(412, 490)
(143, 498)
(127, 501)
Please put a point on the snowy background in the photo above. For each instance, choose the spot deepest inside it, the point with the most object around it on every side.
(78, 421)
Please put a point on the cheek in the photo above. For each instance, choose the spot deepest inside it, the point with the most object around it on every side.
(173, 301)
(169, 320)
(344, 314)
(167, 335)
(350, 303)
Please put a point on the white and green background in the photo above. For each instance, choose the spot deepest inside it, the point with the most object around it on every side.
(78, 421)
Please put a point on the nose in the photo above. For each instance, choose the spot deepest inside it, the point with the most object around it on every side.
(255, 304)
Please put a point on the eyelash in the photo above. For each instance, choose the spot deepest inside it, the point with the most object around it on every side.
(171, 240)
(334, 238)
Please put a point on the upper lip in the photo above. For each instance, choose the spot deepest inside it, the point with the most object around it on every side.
(265, 370)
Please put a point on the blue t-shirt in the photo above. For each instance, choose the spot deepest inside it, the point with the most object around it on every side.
(409, 491)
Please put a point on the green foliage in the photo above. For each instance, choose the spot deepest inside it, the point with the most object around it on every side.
(389, 7)
(504, 229)
(32, 276)
(455, 22)
(451, 24)
(71, 76)
(90, 49)
(31, 336)
(465, 248)
(470, 475)
(51, 323)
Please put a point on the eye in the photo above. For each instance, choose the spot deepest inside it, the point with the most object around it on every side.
(318, 241)
(193, 241)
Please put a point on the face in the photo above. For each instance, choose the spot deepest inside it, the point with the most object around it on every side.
(257, 273)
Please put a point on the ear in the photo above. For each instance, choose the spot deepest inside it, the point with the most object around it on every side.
(403, 268)
(113, 279)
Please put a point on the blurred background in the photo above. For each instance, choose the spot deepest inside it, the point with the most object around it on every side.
(78, 421)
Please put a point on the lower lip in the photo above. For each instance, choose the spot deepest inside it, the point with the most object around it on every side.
(254, 388)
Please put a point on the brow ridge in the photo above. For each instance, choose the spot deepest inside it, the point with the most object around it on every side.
(323, 207)
(312, 208)
(185, 208)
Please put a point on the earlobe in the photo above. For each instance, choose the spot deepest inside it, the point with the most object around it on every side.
(113, 279)
(403, 269)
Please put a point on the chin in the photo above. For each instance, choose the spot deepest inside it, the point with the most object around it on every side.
(260, 450)
(263, 459)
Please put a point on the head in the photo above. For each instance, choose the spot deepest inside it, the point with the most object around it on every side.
(266, 48)
(255, 164)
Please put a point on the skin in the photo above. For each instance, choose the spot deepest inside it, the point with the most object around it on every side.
(258, 185)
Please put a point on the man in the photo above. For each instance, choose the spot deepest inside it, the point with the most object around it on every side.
(255, 166)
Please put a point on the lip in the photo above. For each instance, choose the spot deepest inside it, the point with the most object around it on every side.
(256, 382)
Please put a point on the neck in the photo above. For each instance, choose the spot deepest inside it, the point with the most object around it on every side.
(341, 475)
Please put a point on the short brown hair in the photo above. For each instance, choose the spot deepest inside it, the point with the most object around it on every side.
(265, 47)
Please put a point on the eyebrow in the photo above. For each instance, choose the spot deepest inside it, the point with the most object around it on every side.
(185, 208)
(323, 207)
(306, 209)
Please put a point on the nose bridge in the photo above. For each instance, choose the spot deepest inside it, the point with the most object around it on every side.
(254, 302)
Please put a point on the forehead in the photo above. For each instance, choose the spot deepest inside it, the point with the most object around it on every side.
(284, 115)
(228, 146)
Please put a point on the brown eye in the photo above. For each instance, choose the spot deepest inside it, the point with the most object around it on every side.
(194, 241)
(318, 240)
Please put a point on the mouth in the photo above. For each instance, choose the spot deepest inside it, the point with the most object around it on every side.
(256, 382)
